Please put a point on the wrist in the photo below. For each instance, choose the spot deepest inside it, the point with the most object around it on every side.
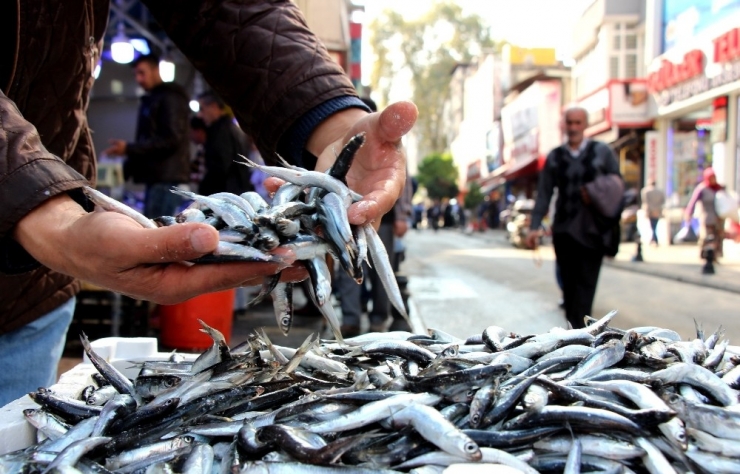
(333, 128)
(41, 231)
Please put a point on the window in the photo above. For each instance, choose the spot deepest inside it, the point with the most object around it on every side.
(616, 41)
(630, 41)
(614, 67)
(630, 65)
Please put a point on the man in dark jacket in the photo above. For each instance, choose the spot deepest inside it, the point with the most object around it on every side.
(259, 56)
(225, 141)
(160, 154)
(578, 242)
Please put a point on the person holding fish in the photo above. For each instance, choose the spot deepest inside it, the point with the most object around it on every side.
(259, 56)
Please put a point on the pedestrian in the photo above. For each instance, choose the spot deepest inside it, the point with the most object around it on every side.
(198, 141)
(225, 146)
(160, 154)
(653, 201)
(298, 103)
(434, 211)
(711, 225)
(580, 242)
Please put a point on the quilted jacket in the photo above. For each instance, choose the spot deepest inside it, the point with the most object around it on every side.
(259, 56)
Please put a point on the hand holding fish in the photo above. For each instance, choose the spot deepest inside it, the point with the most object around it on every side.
(113, 251)
(379, 169)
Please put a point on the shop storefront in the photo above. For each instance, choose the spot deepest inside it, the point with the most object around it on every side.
(696, 87)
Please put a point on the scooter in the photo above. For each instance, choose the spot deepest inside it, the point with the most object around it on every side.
(519, 223)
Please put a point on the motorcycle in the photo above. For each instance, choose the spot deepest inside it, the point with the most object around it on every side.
(519, 221)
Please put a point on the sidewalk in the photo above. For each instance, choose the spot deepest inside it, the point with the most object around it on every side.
(682, 263)
(673, 262)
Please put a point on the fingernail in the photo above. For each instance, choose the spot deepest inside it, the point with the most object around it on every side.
(201, 240)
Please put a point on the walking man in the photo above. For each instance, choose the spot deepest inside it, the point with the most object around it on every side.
(578, 239)
(653, 200)
(160, 154)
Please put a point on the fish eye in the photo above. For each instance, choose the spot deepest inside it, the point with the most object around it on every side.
(168, 383)
(471, 447)
(475, 418)
(286, 321)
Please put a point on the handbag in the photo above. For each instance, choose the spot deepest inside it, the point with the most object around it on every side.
(725, 205)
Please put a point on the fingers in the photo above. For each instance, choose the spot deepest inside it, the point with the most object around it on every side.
(396, 121)
(273, 184)
(175, 243)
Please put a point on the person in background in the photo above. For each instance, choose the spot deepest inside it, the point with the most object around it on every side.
(198, 140)
(225, 144)
(260, 56)
(160, 154)
(711, 225)
(579, 250)
(434, 211)
(653, 201)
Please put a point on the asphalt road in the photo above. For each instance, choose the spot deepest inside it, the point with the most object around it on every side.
(461, 284)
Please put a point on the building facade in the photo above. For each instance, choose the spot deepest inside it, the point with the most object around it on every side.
(609, 83)
(693, 75)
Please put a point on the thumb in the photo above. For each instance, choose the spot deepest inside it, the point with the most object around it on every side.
(176, 243)
(396, 120)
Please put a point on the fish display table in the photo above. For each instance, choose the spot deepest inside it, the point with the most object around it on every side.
(599, 398)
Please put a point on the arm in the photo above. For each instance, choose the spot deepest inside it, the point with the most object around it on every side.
(545, 187)
(690, 207)
(169, 133)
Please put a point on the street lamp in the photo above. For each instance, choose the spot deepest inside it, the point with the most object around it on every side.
(121, 49)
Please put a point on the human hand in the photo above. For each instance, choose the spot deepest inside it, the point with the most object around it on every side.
(400, 227)
(585, 196)
(111, 250)
(533, 239)
(117, 147)
(378, 171)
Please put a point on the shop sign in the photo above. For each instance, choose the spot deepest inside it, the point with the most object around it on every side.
(473, 171)
(674, 82)
(651, 155)
(628, 103)
(530, 122)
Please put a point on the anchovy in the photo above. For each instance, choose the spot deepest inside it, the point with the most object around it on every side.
(109, 204)
(435, 428)
(344, 160)
(282, 303)
(121, 383)
(382, 266)
(699, 377)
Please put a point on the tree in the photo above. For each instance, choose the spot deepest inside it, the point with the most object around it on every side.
(427, 49)
(474, 197)
(438, 174)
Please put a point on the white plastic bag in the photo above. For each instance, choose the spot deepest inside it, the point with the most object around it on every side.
(725, 204)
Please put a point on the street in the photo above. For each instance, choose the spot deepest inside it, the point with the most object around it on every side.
(463, 283)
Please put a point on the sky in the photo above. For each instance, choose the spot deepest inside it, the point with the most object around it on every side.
(527, 23)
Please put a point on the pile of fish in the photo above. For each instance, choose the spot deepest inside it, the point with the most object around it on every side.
(598, 399)
(307, 215)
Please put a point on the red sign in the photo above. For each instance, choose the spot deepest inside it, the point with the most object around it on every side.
(671, 74)
(727, 46)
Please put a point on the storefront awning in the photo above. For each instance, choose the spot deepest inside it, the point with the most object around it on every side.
(494, 179)
(525, 168)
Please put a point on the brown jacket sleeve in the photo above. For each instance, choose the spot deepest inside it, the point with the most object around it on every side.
(260, 56)
(26, 165)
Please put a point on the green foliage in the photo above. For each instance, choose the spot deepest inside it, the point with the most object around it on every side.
(474, 197)
(427, 49)
(438, 174)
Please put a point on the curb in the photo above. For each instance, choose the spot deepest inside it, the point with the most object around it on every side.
(705, 281)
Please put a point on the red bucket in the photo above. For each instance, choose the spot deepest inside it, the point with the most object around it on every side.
(179, 327)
